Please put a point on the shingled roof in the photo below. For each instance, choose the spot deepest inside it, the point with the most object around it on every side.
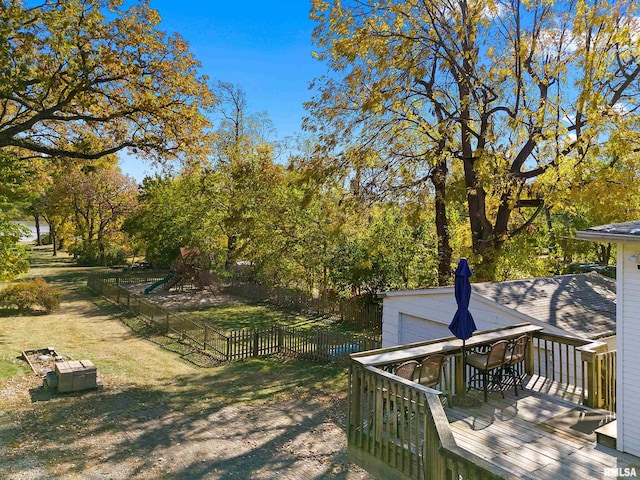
(583, 304)
(613, 232)
(624, 228)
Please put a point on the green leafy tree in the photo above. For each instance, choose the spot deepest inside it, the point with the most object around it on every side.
(602, 191)
(243, 175)
(99, 199)
(391, 249)
(81, 70)
(517, 94)
(13, 256)
(170, 214)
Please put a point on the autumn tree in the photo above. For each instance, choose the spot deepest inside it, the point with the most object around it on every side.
(98, 200)
(19, 184)
(242, 173)
(170, 214)
(13, 256)
(516, 93)
(603, 191)
(81, 70)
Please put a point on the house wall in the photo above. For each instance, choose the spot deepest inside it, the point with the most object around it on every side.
(409, 317)
(412, 329)
(628, 357)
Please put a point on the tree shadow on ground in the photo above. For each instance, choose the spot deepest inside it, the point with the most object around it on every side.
(261, 419)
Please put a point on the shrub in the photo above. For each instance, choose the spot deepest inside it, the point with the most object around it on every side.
(115, 256)
(45, 239)
(29, 294)
(88, 254)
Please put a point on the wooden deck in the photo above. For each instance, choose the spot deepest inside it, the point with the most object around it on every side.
(541, 434)
(535, 436)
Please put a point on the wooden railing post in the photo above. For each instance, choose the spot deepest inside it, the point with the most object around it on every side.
(529, 361)
(354, 407)
(593, 395)
(435, 461)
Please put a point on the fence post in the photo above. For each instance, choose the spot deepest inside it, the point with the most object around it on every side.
(256, 338)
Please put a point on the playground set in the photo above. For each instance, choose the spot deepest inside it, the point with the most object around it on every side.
(185, 274)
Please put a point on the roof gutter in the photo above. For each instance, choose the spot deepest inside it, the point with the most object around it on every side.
(607, 237)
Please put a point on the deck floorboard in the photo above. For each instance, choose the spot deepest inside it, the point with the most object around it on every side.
(510, 432)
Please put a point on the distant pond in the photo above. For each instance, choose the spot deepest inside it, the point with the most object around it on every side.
(30, 224)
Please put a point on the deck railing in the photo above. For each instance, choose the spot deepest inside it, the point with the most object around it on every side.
(600, 375)
(397, 428)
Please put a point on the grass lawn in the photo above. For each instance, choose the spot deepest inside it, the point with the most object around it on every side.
(159, 416)
(245, 315)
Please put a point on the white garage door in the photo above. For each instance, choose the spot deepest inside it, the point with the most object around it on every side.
(415, 329)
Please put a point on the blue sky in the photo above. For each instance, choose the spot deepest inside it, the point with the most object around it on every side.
(264, 47)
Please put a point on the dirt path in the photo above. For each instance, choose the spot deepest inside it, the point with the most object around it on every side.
(159, 417)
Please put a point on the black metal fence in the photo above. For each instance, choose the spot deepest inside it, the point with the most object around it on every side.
(352, 312)
(321, 344)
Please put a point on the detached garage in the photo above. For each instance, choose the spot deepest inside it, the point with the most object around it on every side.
(580, 305)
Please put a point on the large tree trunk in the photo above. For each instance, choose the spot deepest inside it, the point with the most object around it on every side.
(36, 221)
(231, 248)
(54, 238)
(439, 179)
(603, 251)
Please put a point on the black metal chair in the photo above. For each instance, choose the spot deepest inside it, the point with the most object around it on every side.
(488, 362)
(516, 355)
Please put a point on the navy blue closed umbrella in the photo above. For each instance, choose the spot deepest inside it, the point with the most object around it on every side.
(462, 325)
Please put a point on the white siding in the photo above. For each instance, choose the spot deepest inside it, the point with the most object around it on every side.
(628, 342)
(437, 307)
(414, 329)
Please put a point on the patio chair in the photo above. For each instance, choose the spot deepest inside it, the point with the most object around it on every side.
(430, 372)
(489, 362)
(515, 356)
(407, 370)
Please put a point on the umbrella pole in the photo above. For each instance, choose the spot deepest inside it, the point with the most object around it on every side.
(464, 366)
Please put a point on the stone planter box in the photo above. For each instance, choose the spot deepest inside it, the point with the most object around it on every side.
(76, 375)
